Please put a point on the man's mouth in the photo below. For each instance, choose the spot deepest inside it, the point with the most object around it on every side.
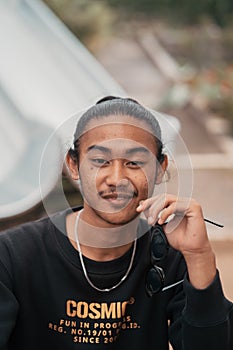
(117, 197)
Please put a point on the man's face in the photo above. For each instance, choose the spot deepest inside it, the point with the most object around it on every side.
(117, 169)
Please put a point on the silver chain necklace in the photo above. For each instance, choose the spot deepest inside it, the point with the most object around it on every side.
(84, 268)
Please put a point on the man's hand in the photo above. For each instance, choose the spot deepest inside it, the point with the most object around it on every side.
(186, 232)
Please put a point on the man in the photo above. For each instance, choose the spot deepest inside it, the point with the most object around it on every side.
(129, 268)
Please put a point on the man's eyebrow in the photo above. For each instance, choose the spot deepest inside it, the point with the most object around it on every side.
(98, 148)
(128, 151)
(137, 150)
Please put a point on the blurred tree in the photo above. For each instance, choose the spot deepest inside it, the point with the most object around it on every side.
(186, 11)
(89, 20)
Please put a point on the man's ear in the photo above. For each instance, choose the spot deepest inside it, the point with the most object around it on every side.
(161, 168)
(72, 167)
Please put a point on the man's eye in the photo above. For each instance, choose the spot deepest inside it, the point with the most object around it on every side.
(100, 161)
(135, 164)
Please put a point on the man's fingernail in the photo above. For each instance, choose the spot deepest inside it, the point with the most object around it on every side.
(160, 221)
(139, 205)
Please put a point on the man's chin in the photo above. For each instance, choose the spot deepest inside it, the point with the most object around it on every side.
(119, 218)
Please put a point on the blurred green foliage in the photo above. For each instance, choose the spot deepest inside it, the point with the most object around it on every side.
(184, 11)
(87, 19)
(215, 86)
(200, 33)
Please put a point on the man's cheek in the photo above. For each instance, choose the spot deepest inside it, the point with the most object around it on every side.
(144, 189)
(149, 186)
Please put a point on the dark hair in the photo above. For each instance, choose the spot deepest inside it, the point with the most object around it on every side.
(112, 105)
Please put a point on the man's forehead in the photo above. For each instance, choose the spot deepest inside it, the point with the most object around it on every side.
(119, 136)
(125, 121)
(119, 147)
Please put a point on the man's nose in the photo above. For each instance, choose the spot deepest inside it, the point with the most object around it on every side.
(117, 174)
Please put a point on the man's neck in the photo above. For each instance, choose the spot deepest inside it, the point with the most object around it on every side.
(100, 244)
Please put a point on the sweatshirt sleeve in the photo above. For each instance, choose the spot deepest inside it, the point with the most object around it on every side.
(207, 318)
(8, 308)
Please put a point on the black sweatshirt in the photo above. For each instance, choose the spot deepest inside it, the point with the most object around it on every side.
(46, 302)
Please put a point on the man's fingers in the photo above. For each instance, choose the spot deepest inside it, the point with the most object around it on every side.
(151, 208)
(161, 208)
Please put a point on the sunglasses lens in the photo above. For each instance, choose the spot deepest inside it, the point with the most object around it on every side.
(154, 280)
(159, 245)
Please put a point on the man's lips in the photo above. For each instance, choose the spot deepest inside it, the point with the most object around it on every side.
(117, 196)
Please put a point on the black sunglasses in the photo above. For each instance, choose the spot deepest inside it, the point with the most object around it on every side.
(155, 279)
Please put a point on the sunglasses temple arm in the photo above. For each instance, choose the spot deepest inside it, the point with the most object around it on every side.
(213, 223)
(172, 285)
